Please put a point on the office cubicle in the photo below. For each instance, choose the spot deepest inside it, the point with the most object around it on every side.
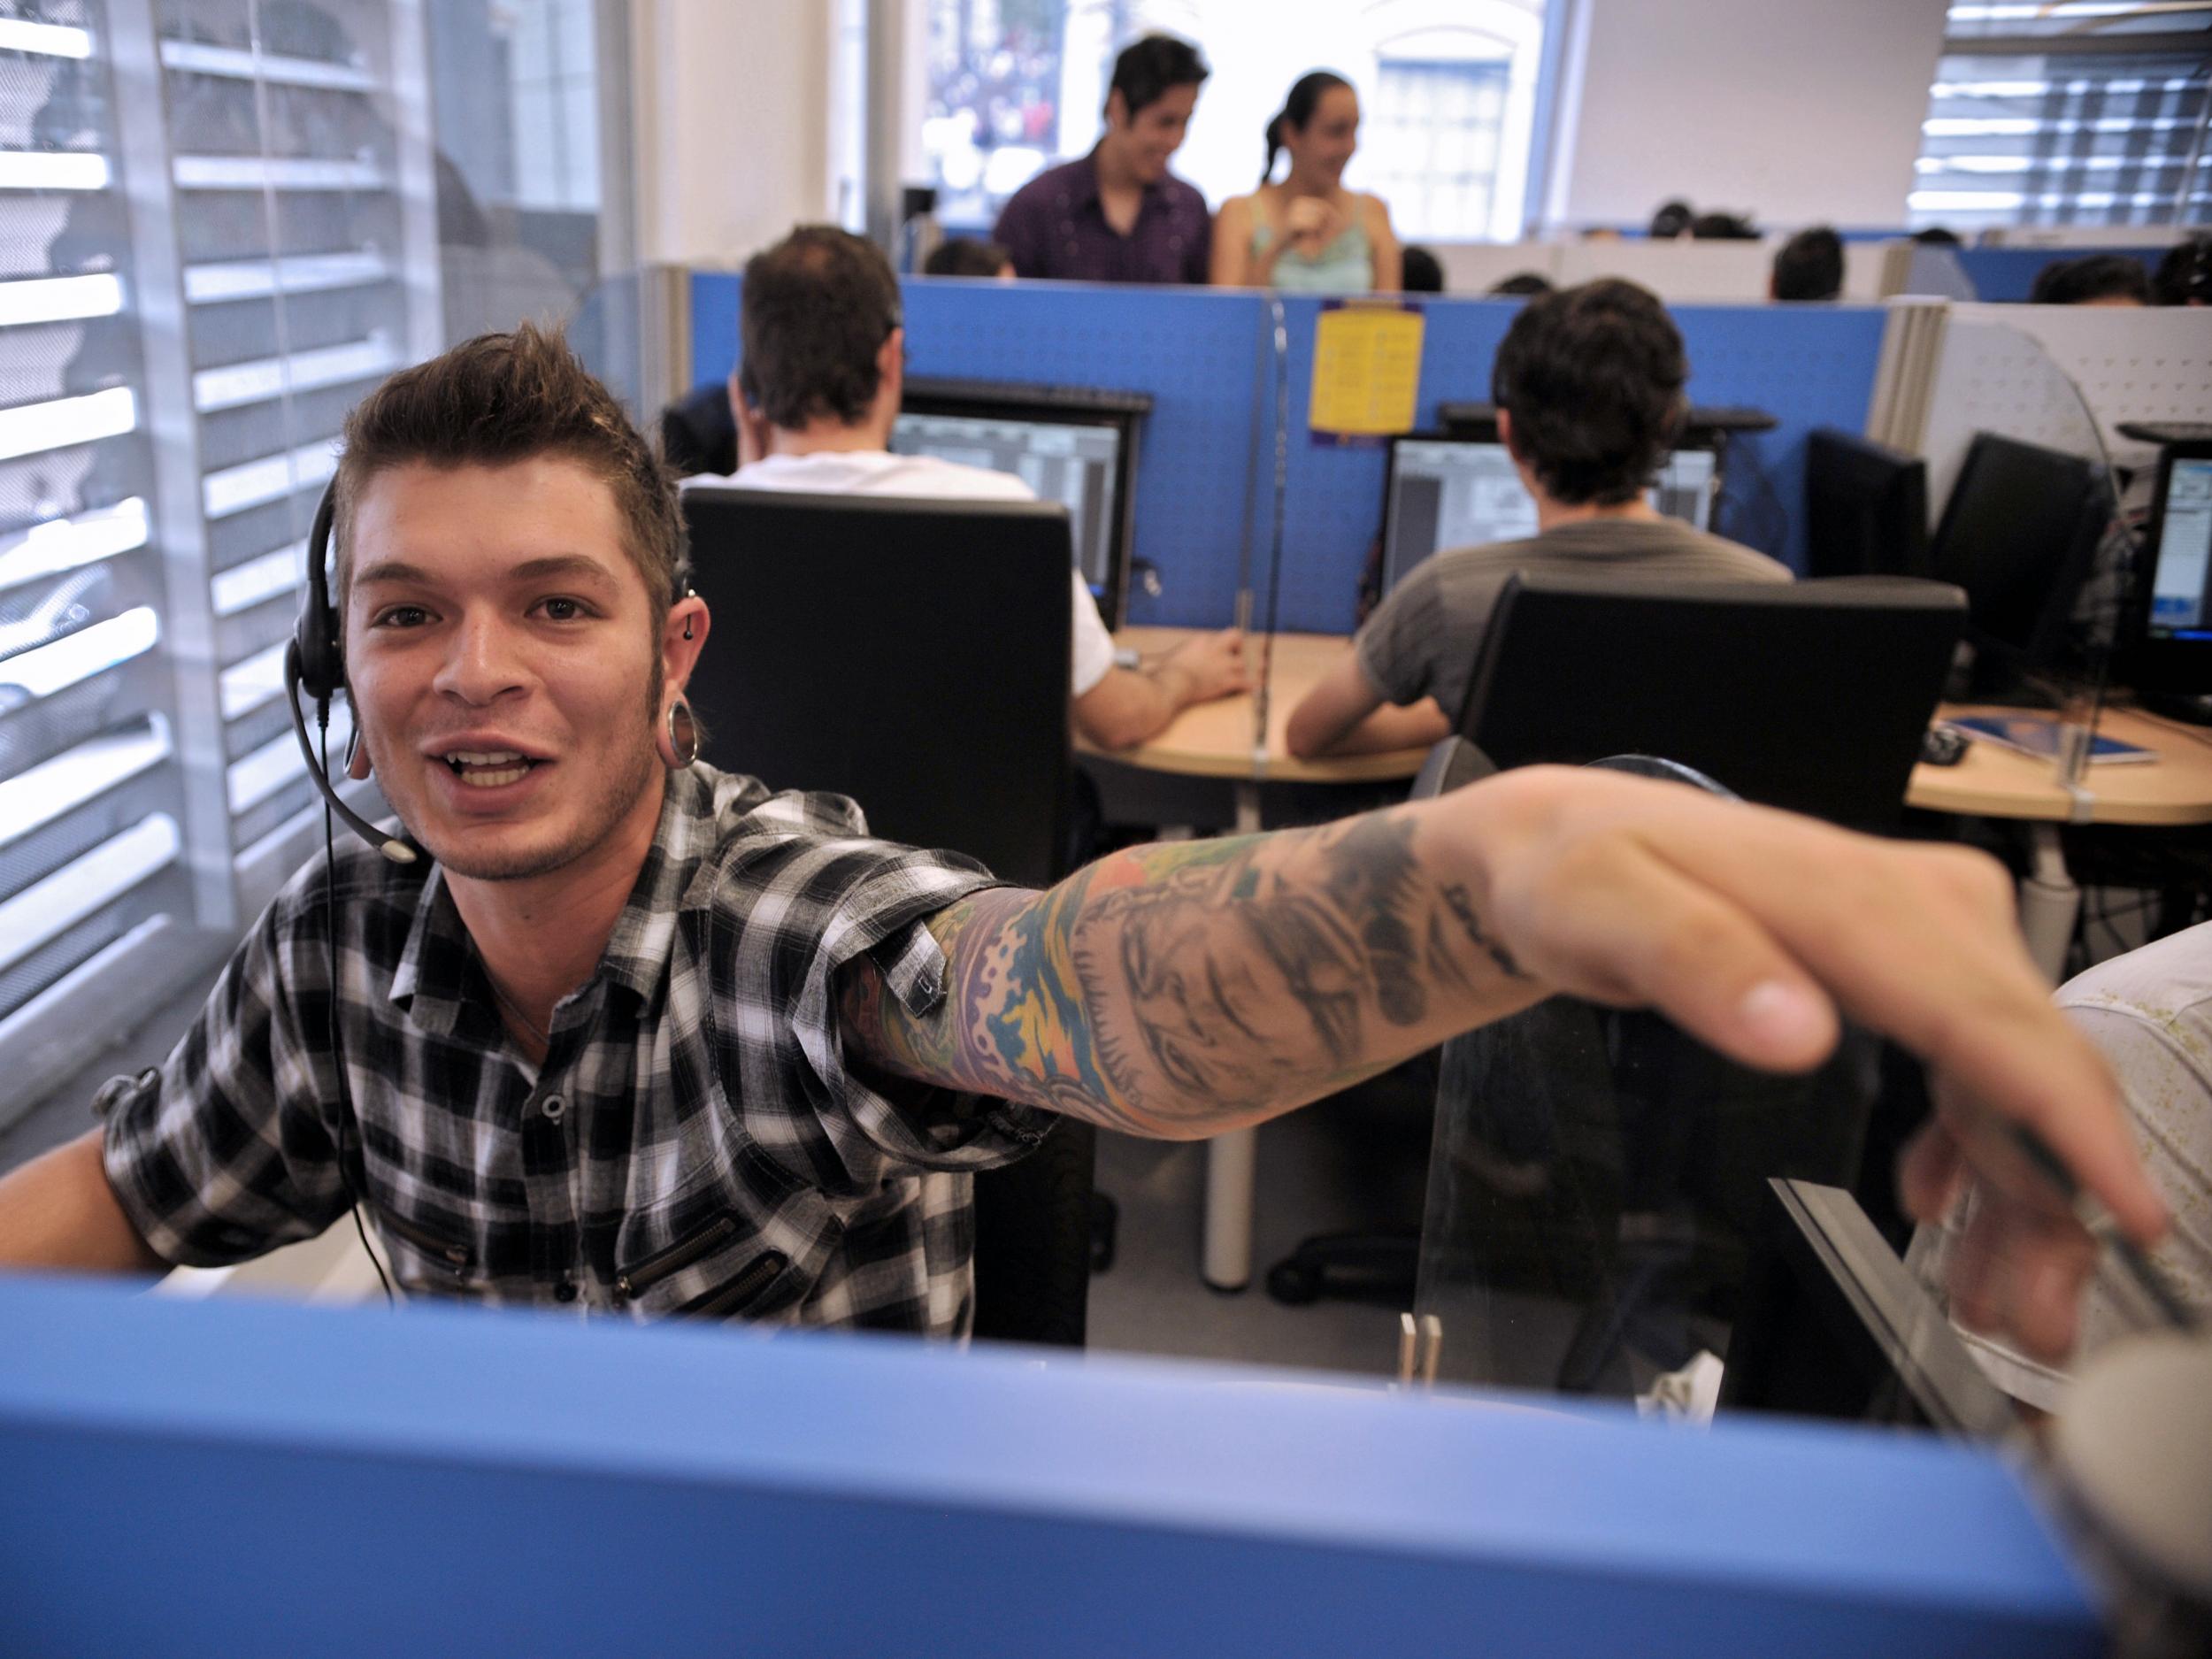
(1204, 498)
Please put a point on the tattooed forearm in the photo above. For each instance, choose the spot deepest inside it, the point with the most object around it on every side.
(1182, 989)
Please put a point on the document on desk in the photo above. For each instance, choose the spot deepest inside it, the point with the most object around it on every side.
(2038, 735)
(1367, 371)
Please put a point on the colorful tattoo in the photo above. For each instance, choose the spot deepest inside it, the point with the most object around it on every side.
(1176, 988)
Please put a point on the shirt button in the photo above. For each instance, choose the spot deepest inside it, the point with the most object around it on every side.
(564, 1292)
(553, 1108)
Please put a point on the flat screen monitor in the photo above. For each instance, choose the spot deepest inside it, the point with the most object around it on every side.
(2019, 534)
(2173, 650)
(1866, 508)
(1460, 492)
(1075, 445)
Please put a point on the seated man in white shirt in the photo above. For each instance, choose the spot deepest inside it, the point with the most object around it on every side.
(818, 389)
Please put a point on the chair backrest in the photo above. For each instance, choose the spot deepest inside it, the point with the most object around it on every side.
(1809, 695)
(914, 656)
(911, 654)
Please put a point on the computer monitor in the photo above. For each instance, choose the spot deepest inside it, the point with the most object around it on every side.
(2169, 652)
(2019, 534)
(1075, 445)
(1448, 492)
(1866, 508)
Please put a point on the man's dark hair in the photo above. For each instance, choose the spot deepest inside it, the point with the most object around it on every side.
(1523, 284)
(2184, 277)
(1936, 237)
(1723, 228)
(2101, 276)
(1809, 266)
(967, 257)
(499, 399)
(1150, 68)
(1672, 218)
(1592, 377)
(817, 309)
(1420, 273)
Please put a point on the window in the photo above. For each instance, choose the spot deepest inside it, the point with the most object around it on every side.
(222, 222)
(1447, 90)
(1432, 143)
(2068, 114)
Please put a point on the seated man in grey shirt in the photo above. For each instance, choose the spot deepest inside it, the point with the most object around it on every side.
(1588, 385)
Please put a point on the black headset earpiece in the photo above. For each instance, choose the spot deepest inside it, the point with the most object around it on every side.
(316, 646)
(315, 663)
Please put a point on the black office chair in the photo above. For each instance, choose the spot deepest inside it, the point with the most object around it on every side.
(914, 656)
(911, 654)
(1811, 696)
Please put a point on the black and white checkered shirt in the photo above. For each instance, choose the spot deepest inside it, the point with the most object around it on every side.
(694, 1141)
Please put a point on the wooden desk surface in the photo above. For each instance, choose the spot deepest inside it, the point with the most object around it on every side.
(1214, 739)
(1995, 782)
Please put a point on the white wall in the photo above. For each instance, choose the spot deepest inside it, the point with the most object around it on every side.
(1800, 112)
(733, 124)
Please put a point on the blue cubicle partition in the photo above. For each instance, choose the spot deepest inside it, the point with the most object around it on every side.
(2001, 274)
(237, 1477)
(1193, 351)
(1208, 456)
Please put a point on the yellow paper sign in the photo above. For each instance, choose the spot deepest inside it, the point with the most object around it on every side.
(1366, 370)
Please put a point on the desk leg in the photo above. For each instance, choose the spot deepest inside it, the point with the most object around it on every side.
(1226, 1253)
(2049, 901)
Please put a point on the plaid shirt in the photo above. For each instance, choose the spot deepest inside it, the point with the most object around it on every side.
(694, 1141)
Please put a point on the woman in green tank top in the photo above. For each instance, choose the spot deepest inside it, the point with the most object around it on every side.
(1309, 234)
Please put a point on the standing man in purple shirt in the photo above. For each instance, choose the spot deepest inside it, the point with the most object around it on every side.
(1118, 215)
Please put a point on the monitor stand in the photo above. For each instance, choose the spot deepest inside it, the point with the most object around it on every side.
(2192, 708)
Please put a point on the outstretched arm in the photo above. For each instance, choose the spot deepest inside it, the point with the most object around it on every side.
(1183, 989)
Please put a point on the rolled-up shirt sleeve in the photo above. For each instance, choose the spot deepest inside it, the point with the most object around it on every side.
(812, 907)
(1397, 649)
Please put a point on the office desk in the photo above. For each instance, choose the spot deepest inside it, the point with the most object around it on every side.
(1215, 739)
(2174, 791)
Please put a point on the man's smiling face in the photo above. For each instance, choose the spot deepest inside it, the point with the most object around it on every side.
(503, 661)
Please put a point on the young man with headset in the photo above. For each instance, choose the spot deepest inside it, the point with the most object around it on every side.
(633, 1035)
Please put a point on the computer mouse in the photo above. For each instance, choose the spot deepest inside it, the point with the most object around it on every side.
(1940, 746)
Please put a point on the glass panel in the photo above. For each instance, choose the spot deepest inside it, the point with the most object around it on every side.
(1595, 1189)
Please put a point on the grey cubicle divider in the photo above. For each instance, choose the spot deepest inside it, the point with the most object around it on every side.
(1197, 353)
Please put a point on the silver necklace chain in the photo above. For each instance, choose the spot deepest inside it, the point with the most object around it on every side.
(515, 1007)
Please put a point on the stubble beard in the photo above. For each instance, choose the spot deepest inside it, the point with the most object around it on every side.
(609, 805)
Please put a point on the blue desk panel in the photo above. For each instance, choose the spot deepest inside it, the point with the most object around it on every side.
(242, 1478)
(1193, 351)
(2002, 274)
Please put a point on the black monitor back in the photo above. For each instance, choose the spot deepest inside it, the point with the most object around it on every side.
(1811, 696)
(911, 654)
(2019, 534)
(1866, 508)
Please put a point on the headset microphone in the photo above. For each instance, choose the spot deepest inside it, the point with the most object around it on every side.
(315, 662)
(398, 851)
